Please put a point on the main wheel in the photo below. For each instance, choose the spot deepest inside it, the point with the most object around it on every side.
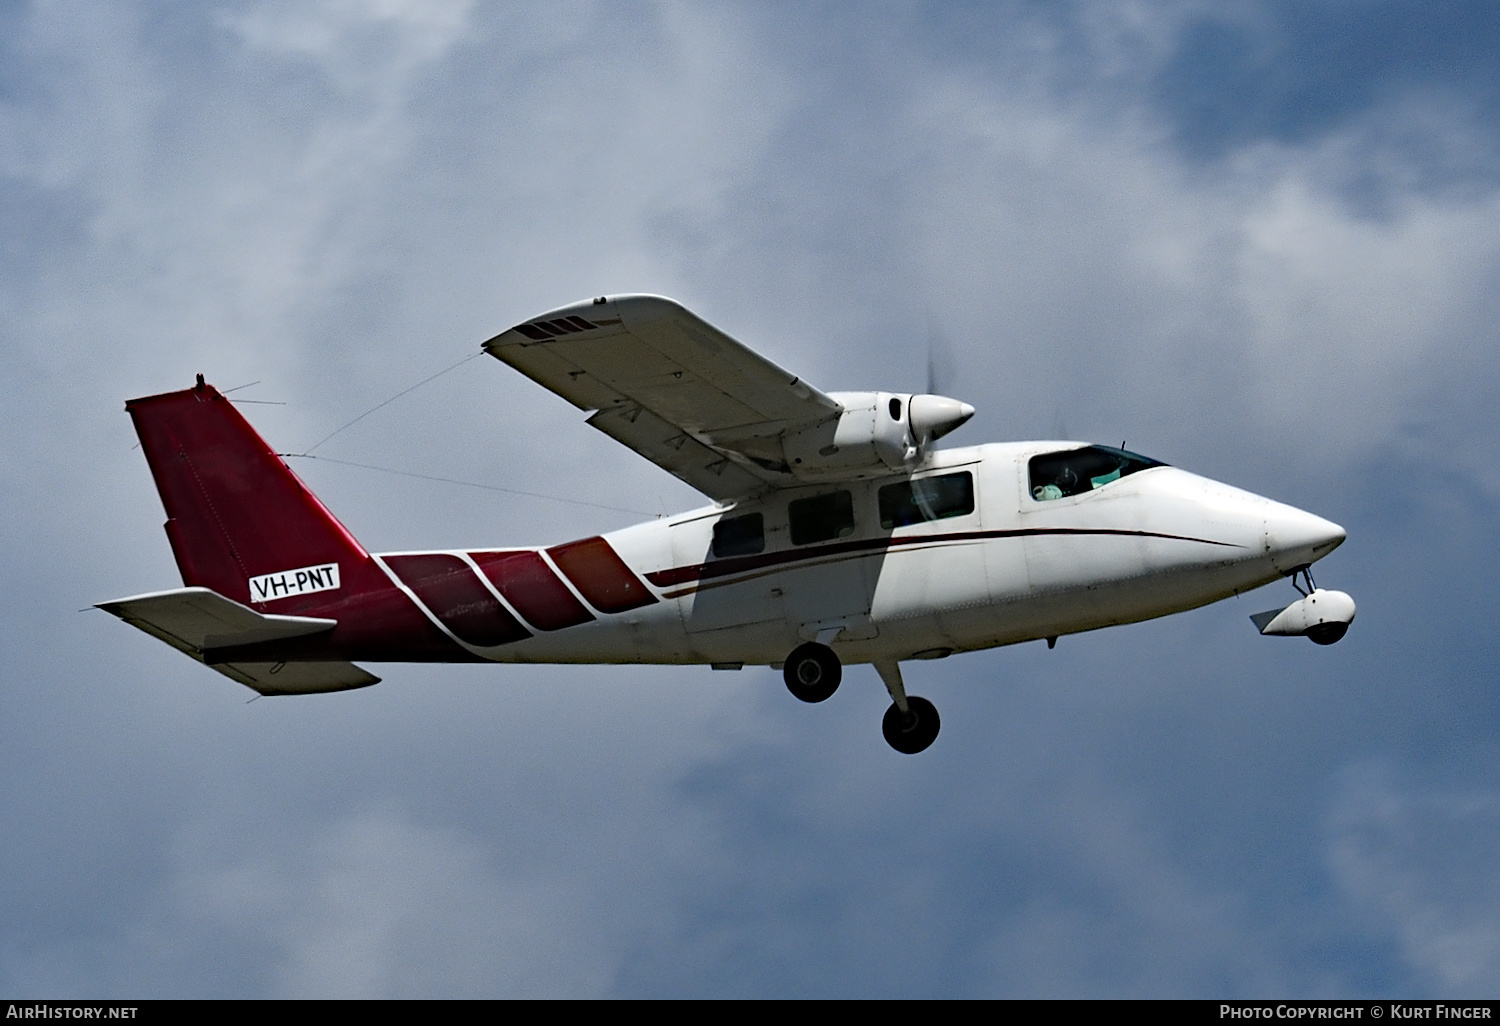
(911, 732)
(812, 672)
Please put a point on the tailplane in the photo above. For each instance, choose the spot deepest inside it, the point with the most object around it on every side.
(199, 620)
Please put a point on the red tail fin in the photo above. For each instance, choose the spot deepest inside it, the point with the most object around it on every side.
(240, 522)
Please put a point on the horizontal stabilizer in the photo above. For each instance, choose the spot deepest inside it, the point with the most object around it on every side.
(193, 619)
(297, 678)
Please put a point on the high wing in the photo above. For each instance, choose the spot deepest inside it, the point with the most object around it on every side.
(672, 387)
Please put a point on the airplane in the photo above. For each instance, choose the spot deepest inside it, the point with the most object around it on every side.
(838, 535)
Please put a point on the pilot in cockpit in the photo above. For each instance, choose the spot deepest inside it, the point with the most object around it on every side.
(1056, 475)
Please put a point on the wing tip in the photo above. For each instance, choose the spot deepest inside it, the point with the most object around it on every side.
(582, 316)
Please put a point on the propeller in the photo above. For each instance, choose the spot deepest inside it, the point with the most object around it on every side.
(939, 361)
(934, 415)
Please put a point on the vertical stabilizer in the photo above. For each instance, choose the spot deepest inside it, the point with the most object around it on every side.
(239, 521)
(243, 526)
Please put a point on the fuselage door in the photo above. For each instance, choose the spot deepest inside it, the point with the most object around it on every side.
(727, 583)
(832, 563)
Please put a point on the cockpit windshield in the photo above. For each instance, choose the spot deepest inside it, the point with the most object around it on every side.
(1055, 475)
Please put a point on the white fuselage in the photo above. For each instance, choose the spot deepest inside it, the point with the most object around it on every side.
(1014, 569)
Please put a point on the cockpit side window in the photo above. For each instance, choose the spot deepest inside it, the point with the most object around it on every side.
(1055, 475)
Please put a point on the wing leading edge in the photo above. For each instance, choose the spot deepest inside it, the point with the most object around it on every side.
(671, 386)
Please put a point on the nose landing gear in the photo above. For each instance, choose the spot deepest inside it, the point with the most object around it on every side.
(1323, 617)
(912, 731)
(1324, 632)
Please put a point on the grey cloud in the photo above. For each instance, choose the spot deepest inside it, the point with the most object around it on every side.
(1415, 859)
(376, 906)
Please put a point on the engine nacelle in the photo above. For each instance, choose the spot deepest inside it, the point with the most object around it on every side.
(1323, 616)
(876, 433)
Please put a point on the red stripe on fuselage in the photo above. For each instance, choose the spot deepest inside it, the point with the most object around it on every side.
(531, 587)
(448, 587)
(601, 576)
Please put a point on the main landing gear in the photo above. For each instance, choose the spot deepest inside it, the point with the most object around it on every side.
(911, 724)
(813, 672)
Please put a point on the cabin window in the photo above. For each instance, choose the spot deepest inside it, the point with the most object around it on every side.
(821, 517)
(926, 498)
(1059, 474)
(739, 536)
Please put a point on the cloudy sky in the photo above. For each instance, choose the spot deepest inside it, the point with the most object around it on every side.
(1257, 240)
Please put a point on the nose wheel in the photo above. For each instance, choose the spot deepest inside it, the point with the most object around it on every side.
(1326, 633)
(1322, 617)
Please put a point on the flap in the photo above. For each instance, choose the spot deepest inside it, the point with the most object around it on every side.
(711, 472)
(192, 619)
(671, 386)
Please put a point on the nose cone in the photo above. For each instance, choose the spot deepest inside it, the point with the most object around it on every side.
(1296, 538)
(933, 416)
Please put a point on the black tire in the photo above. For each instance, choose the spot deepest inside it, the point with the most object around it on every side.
(912, 732)
(1327, 633)
(813, 672)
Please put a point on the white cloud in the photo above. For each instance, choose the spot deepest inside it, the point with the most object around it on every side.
(364, 45)
(1092, 275)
